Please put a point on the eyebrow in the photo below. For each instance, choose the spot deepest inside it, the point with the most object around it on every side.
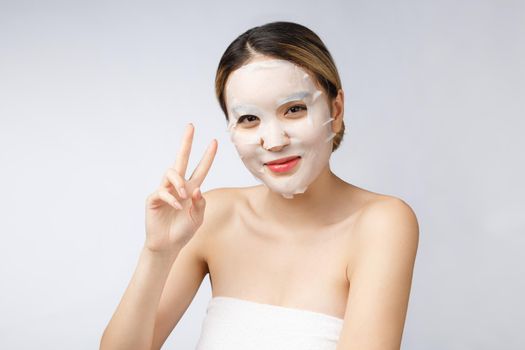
(297, 96)
(245, 109)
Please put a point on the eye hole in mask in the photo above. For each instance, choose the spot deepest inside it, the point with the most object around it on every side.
(294, 112)
(251, 121)
(297, 111)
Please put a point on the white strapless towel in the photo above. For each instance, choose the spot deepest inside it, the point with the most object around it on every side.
(238, 324)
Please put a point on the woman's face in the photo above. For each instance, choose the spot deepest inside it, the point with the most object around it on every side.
(276, 111)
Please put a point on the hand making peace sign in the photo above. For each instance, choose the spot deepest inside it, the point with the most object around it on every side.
(175, 210)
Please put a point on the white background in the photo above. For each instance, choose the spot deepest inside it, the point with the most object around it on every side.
(94, 97)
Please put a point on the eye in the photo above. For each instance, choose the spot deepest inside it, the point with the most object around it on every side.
(296, 109)
(249, 117)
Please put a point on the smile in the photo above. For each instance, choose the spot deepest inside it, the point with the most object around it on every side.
(279, 166)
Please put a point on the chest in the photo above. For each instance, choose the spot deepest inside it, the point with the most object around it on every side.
(303, 269)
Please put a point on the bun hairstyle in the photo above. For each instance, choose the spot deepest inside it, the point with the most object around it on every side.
(282, 40)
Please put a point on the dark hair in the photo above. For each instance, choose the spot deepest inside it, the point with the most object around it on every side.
(284, 40)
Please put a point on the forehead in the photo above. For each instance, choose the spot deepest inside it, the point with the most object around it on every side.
(267, 82)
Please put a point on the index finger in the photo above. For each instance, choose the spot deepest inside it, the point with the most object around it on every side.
(202, 169)
(181, 162)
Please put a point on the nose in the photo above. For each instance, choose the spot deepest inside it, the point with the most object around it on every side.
(274, 141)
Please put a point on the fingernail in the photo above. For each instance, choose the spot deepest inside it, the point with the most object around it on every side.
(183, 192)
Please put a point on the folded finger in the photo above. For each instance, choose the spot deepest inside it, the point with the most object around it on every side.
(173, 178)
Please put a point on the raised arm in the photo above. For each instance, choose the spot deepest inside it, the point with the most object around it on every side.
(174, 212)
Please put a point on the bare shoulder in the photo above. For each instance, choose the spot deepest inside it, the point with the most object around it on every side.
(218, 201)
(218, 215)
(222, 201)
(387, 211)
(387, 217)
(387, 225)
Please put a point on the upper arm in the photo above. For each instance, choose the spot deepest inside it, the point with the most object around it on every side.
(380, 280)
(187, 272)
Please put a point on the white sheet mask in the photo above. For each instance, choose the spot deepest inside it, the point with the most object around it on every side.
(262, 88)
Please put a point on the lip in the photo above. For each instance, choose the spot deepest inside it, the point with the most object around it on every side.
(285, 166)
(281, 160)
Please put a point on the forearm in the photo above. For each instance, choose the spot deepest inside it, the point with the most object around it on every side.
(132, 324)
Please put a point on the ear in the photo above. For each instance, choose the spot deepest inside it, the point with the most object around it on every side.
(338, 109)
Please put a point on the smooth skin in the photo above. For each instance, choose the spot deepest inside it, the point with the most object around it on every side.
(336, 249)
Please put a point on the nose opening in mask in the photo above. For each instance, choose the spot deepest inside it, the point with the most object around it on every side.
(273, 138)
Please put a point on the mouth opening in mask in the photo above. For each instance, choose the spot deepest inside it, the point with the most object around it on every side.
(284, 165)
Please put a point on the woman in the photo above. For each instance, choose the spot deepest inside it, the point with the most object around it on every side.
(303, 261)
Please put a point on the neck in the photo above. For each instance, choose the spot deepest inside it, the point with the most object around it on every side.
(316, 199)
